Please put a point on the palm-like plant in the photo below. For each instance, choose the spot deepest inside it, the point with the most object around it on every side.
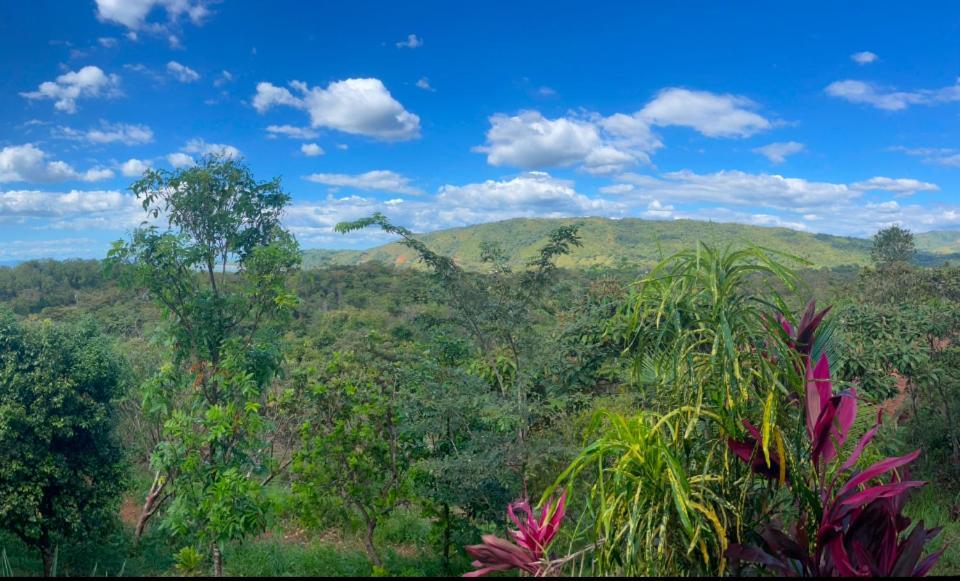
(665, 494)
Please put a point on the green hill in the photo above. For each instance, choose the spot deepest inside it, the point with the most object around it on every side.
(631, 242)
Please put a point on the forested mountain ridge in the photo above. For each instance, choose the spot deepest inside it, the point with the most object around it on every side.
(609, 243)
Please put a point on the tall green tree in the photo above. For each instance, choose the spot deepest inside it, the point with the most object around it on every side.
(218, 270)
(500, 311)
(893, 245)
(61, 466)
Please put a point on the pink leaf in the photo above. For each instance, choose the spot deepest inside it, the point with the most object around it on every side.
(877, 469)
(858, 450)
(881, 491)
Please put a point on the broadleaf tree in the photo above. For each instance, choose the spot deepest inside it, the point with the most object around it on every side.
(218, 270)
(62, 469)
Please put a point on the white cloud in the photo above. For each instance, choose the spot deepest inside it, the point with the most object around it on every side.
(711, 114)
(903, 186)
(944, 156)
(73, 210)
(529, 140)
(424, 83)
(134, 168)
(376, 180)
(182, 73)
(617, 189)
(133, 13)
(96, 175)
(531, 191)
(657, 210)
(201, 147)
(107, 41)
(88, 82)
(740, 188)
(889, 100)
(411, 42)
(778, 152)
(863, 58)
(600, 145)
(311, 149)
(27, 163)
(128, 134)
(356, 106)
(224, 78)
(609, 144)
(292, 132)
(180, 160)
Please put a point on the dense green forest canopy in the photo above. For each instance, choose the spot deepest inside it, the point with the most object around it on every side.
(635, 416)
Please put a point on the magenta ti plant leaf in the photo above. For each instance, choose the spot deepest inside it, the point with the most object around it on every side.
(861, 529)
(532, 538)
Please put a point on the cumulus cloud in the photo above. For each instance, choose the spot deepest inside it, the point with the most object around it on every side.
(411, 42)
(88, 82)
(291, 131)
(180, 160)
(902, 186)
(424, 83)
(609, 144)
(862, 92)
(134, 168)
(125, 133)
(355, 106)
(134, 13)
(182, 73)
(28, 163)
(311, 149)
(376, 180)
(529, 140)
(72, 210)
(711, 114)
(863, 58)
(537, 191)
(602, 145)
(778, 152)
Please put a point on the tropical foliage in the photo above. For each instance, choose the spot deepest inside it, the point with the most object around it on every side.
(694, 414)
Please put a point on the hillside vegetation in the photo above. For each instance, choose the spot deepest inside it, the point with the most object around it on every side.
(611, 243)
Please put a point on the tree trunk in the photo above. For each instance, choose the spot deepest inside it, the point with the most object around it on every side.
(150, 506)
(371, 549)
(446, 538)
(217, 561)
(49, 557)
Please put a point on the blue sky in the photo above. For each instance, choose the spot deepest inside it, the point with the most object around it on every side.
(837, 118)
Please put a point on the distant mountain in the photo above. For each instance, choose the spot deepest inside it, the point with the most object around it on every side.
(631, 241)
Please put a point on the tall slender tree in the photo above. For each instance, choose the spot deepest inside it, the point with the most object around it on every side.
(218, 270)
